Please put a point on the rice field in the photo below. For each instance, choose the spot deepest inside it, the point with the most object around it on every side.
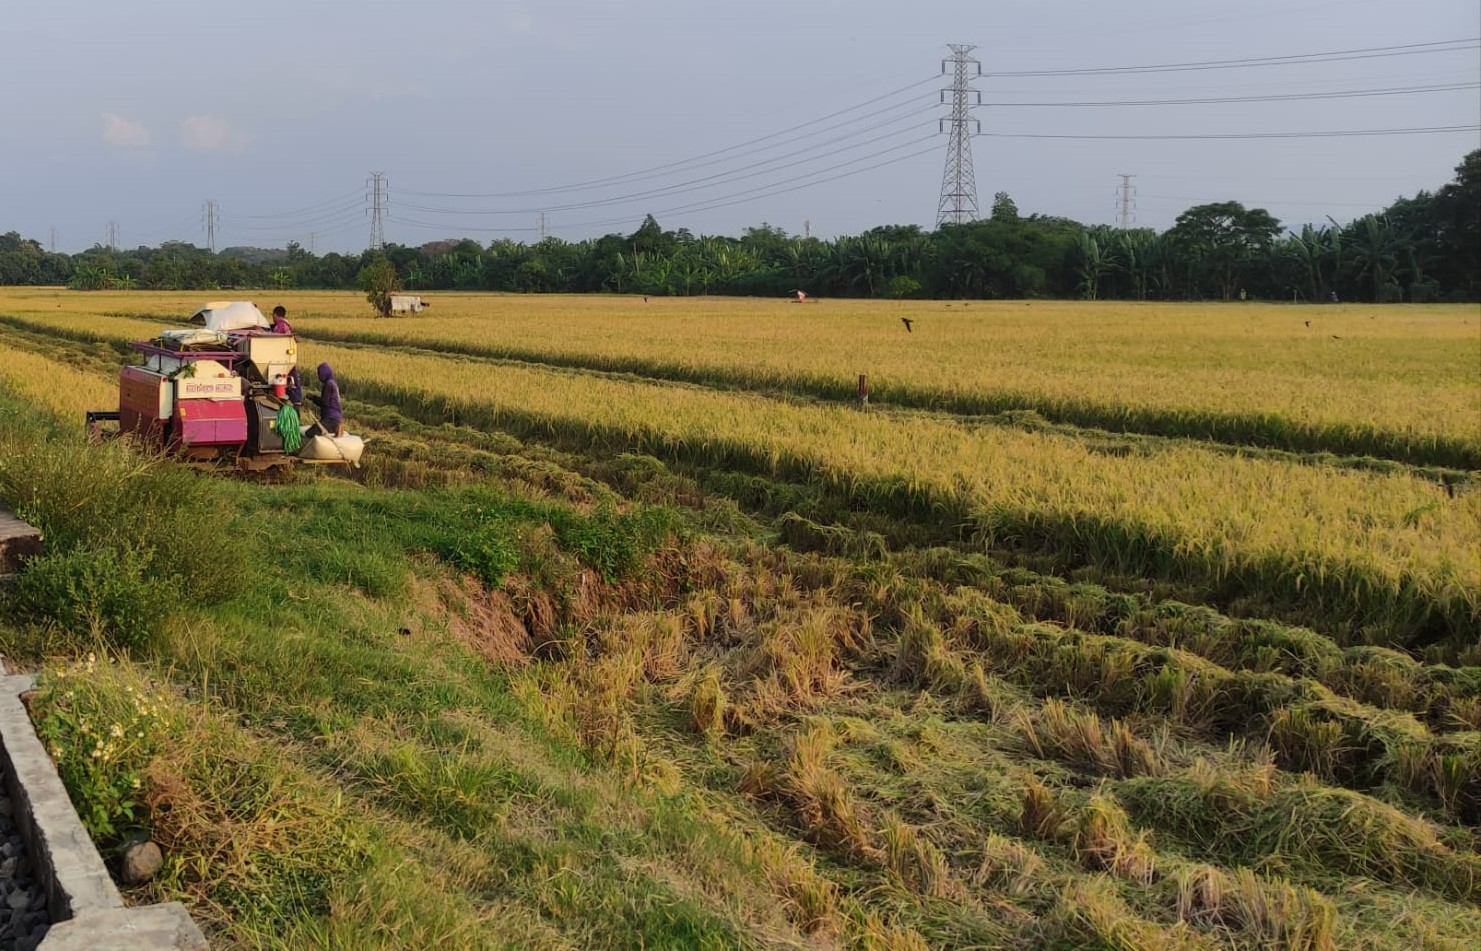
(1352, 379)
(1389, 557)
(633, 633)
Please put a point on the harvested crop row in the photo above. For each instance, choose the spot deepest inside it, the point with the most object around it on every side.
(837, 808)
(1449, 698)
(1308, 728)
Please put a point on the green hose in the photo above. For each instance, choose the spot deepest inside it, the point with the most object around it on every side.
(288, 428)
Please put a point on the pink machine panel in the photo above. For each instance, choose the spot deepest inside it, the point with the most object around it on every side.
(143, 403)
(211, 422)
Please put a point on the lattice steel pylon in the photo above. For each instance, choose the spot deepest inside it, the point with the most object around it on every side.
(377, 196)
(958, 183)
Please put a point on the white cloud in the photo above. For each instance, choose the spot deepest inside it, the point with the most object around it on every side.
(124, 133)
(210, 134)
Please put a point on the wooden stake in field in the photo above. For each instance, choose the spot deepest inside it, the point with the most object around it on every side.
(863, 390)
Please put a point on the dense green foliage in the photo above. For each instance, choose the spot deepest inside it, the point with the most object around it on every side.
(123, 532)
(1418, 249)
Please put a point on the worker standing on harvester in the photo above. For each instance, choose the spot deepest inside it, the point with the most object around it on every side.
(331, 416)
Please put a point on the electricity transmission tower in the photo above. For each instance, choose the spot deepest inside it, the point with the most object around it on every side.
(211, 211)
(1128, 201)
(958, 184)
(112, 236)
(51, 245)
(377, 185)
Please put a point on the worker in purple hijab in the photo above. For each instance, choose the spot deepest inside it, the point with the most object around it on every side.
(331, 416)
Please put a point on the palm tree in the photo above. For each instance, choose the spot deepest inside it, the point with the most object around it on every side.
(1376, 247)
(1140, 252)
(1093, 260)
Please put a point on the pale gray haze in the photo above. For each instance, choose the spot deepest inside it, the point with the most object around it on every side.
(139, 112)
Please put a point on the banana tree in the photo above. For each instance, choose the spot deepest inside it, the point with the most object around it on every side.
(1376, 248)
(1318, 250)
(1093, 260)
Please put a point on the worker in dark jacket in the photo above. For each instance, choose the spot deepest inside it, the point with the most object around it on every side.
(331, 416)
(295, 388)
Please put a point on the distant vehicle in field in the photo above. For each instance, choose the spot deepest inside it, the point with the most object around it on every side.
(397, 304)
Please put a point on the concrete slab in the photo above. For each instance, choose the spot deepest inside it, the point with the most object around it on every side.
(18, 541)
(164, 927)
(66, 860)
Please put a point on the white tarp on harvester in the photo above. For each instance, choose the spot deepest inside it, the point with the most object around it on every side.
(226, 315)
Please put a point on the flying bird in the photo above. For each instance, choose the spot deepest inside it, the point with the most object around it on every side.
(1308, 323)
(907, 322)
(1335, 337)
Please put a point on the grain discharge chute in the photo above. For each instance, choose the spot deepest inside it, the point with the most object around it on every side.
(215, 392)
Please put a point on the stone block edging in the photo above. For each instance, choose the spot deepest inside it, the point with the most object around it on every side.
(87, 910)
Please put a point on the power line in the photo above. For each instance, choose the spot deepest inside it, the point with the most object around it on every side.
(697, 184)
(1246, 135)
(728, 174)
(1330, 56)
(772, 190)
(311, 209)
(1252, 201)
(1285, 97)
(352, 211)
(653, 171)
(958, 201)
(783, 191)
(720, 201)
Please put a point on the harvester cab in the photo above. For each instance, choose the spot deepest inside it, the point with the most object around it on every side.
(216, 392)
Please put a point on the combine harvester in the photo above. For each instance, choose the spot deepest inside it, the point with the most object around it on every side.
(213, 394)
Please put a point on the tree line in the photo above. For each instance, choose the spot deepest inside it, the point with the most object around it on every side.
(1424, 248)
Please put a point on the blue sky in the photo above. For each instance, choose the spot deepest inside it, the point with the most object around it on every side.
(278, 111)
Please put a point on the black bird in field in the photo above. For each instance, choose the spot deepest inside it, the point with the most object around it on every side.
(1308, 323)
(1335, 337)
(907, 322)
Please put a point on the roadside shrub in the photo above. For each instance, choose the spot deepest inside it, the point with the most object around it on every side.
(102, 724)
(106, 592)
(124, 531)
(485, 549)
(610, 542)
